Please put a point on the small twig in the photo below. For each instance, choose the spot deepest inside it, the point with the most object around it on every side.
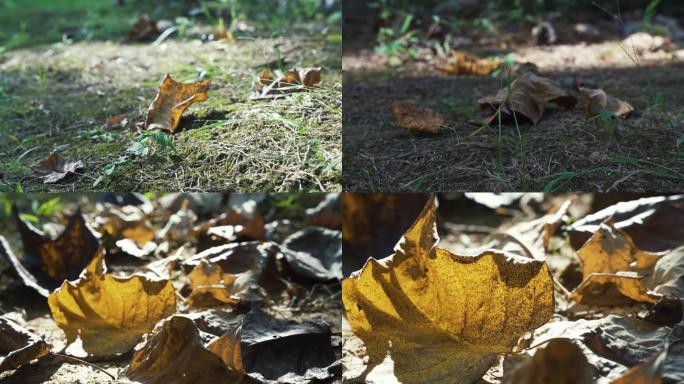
(84, 362)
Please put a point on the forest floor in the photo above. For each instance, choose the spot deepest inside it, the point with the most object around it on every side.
(59, 96)
(565, 151)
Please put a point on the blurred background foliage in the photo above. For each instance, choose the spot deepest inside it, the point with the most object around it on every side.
(24, 23)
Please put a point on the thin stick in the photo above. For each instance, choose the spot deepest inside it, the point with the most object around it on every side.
(84, 362)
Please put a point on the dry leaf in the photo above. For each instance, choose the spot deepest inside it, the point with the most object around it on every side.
(444, 317)
(596, 100)
(315, 253)
(283, 351)
(180, 224)
(528, 97)
(241, 223)
(55, 168)
(18, 346)
(654, 223)
(174, 354)
(327, 214)
(409, 115)
(465, 64)
(294, 80)
(124, 222)
(117, 121)
(173, 98)
(611, 250)
(103, 315)
(46, 263)
(143, 29)
(559, 362)
(648, 372)
(613, 289)
(232, 273)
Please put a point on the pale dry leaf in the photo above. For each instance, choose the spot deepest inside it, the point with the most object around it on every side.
(410, 115)
(103, 315)
(443, 317)
(56, 168)
(172, 100)
(294, 80)
(527, 97)
(596, 101)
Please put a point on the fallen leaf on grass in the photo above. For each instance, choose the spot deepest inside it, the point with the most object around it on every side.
(103, 315)
(409, 115)
(294, 80)
(143, 29)
(465, 64)
(46, 263)
(18, 346)
(172, 100)
(559, 362)
(279, 351)
(117, 121)
(596, 101)
(174, 354)
(459, 312)
(527, 97)
(56, 168)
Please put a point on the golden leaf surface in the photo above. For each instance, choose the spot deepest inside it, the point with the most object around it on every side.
(465, 64)
(174, 354)
(527, 95)
(172, 100)
(409, 115)
(597, 100)
(108, 314)
(444, 317)
(613, 289)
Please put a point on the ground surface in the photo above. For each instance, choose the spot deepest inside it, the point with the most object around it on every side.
(566, 151)
(59, 96)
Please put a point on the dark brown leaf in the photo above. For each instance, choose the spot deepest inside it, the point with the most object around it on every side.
(55, 168)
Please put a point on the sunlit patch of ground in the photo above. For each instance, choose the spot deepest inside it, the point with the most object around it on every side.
(59, 97)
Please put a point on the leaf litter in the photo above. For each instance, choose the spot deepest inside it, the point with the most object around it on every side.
(471, 307)
(268, 317)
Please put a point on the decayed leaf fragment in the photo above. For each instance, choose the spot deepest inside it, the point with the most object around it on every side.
(103, 315)
(596, 100)
(144, 28)
(273, 350)
(410, 115)
(56, 168)
(294, 80)
(241, 223)
(46, 263)
(315, 253)
(465, 64)
(444, 317)
(560, 362)
(174, 354)
(18, 346)
(528, 96)
(172, 100)
(648, 372)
